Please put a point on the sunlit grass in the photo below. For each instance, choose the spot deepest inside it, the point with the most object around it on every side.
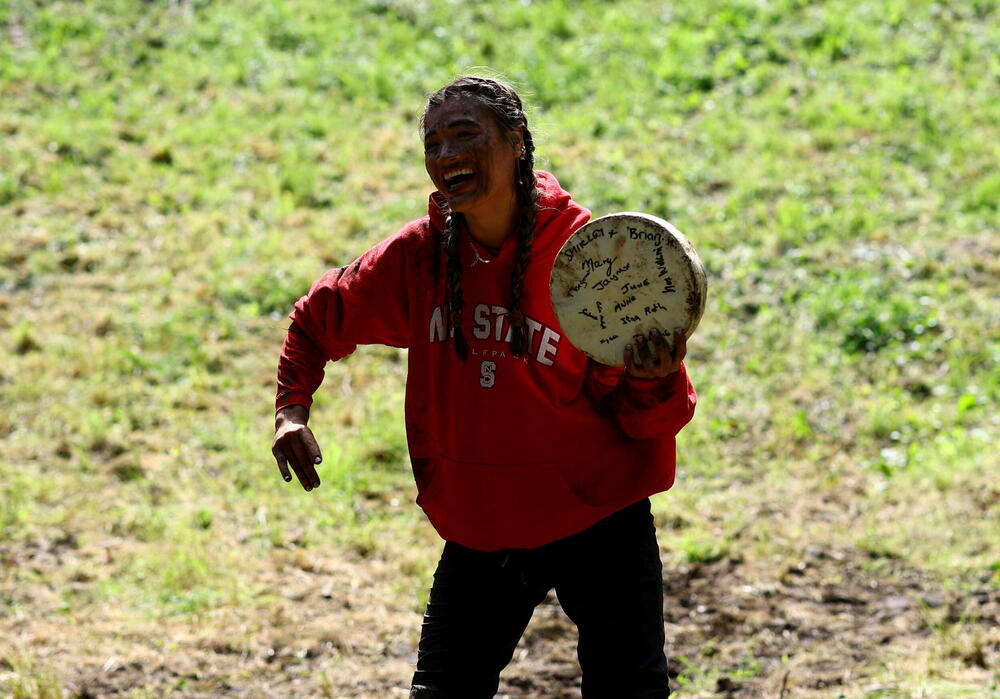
(173, 176)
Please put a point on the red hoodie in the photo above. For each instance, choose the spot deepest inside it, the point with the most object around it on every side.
(507, 451)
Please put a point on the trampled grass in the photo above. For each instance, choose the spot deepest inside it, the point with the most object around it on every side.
(174, 175)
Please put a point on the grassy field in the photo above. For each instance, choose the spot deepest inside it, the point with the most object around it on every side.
(173, 175)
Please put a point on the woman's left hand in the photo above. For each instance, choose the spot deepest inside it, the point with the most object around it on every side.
(652, 357)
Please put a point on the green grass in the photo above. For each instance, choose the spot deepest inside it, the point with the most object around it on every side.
(174, 175)
(30, 680)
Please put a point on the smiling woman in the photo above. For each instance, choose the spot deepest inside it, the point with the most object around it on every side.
(472, 162)
(482, 160)
(534, 463)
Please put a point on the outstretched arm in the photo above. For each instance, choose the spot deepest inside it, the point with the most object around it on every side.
(300, 372)
(348, 306)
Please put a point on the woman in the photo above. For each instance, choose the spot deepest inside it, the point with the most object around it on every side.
(533, 463)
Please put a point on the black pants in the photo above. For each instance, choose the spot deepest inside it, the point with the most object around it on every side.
(609, 581)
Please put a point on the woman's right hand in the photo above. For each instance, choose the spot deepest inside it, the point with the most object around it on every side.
(294, 445)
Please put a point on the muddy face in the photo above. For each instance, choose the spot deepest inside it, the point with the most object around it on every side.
(468, 157)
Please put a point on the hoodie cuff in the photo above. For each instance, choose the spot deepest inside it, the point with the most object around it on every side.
(287, 398)
(644, 393)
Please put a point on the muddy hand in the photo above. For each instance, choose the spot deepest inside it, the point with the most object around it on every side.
(652, 357)
(295, 446)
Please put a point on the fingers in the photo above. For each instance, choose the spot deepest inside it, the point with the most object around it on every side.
(638, 361)
(303, 465)
(648, 351)
(282, 465)
(298, 449)
(312, 448)
(660, 349)
(654, 356)
(680, 345)
(630, 366)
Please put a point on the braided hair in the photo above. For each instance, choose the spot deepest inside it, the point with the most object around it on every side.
(504, 104)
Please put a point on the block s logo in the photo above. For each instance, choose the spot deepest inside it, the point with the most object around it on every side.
(486, 376)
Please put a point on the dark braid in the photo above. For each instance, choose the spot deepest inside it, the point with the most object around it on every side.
(528, 194)
(453, 285)
(505, 105)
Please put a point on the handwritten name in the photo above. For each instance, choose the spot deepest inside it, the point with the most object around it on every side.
(637, 234)
(571, 251)
(599, 316)
(610, 277)
(624, 303)
(593, 265)
(668, 283)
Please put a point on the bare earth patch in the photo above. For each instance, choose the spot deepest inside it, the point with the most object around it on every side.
(332, 625)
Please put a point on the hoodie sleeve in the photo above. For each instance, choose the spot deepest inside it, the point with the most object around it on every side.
(644, 409)
(363, 303)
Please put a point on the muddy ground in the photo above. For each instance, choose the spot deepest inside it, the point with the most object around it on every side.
(835, 623)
